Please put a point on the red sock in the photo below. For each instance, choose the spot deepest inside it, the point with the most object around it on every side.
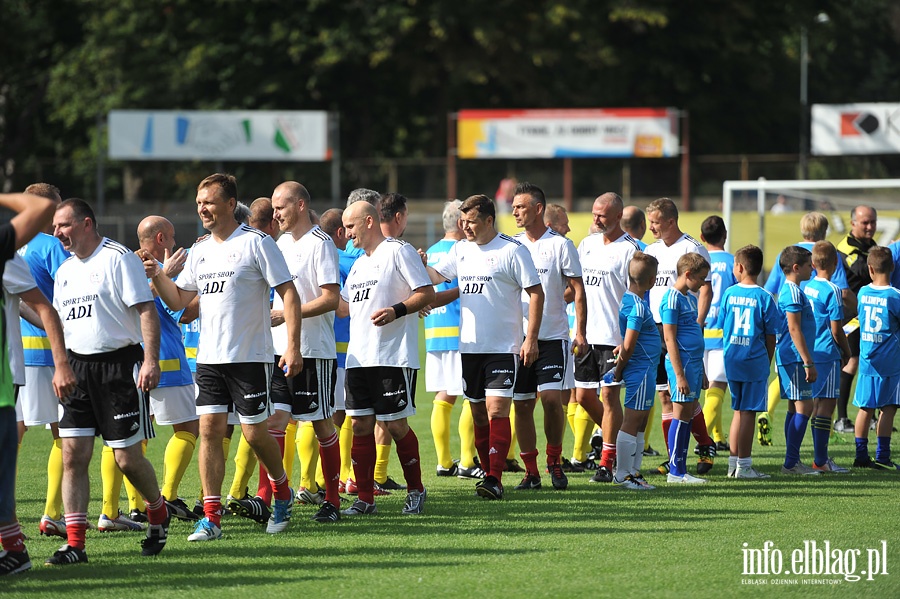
(666, 423)
(264, 488)
(212, 509)
(408, 452)
(483, 446)
(554, 454)
(11, 538)
(330, 452)
(76, 524)
(157, 512)
(280, 487)
(608, 455)
(501, 437)
(363, 456)
(530, 460)
(698, 427)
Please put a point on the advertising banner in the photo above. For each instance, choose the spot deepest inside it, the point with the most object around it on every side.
(839, 129)
(568, 133)
(218, 135)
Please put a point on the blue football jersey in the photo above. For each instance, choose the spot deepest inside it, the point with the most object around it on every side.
(825, 298)
(792, 299)
(442, 325)
(776, 278)
(748, 314)
(879, 326)
(680, 309)
(635, 314)
(43, 254)
(721, 273)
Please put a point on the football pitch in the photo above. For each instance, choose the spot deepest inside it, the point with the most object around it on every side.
(726, 538)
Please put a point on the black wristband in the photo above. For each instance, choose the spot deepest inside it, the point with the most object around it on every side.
(399, 309)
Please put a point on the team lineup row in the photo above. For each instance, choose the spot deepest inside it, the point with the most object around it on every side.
(488, 284)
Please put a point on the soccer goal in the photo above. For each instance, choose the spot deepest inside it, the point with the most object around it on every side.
(777, 206)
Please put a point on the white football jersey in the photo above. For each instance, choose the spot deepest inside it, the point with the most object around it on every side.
(667, 273)
(233, 279)
(491, 279)
(17, 279)
(605, 274)
(387, 277)
(313, 262)
(555, 260)
(95, 298)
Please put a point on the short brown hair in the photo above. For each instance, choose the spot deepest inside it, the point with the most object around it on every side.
(692, 262)
(824, 255)
(791, 255)
(226, 184)
(880, 260)
(751, 258)
(666, 208)
(642, 268)
(480, 203)
(45, 190)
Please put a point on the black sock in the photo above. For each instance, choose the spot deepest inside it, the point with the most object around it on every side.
(846, 383)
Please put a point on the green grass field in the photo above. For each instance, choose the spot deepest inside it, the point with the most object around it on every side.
(591, 539)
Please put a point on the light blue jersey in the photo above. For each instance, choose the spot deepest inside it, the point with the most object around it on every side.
(748, 313)
(791, 299)
(879, 325)
(825, 298)
(635, 314)
(776, 278)
(895, 254)
(721, 276)
(342, 325)
(680, 309)
(173, 363)
(442, 324)
(43, 254)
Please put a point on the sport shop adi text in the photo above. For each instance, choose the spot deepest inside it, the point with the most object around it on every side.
(813, 558)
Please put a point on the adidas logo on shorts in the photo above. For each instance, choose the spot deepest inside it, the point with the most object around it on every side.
(507, 381)
(313, 405)
(556, 376)
(135, 426)
(261, 406)
(401, 403)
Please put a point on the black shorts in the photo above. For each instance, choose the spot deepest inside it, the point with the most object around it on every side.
(106, 400)
(312, 391)
(243, 386)
(387, 392)
(853, 340)
(662, 377)
(278, 388)
(592, 365)
(489, 372)
(548, 372)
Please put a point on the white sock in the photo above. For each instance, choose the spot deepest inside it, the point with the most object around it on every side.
(638, 453)
(732, 463)
(625, 447)
(744, 463)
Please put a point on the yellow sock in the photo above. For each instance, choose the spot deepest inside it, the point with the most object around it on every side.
(179, 452)
(583, 428)
(226, 446)
(571, 408)
(712, 413)
(774, 399)
(467, 451)
(346, 446)
(513, 449)
(111, 477)
(440, 431)
(651, 418)
(244, 465)
(53, 507)
(290, 448)
(382, 455)
(135, 500)
(308, 448)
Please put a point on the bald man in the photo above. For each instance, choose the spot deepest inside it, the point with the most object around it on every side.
(634, 222)
(262, 217)
(172, 401)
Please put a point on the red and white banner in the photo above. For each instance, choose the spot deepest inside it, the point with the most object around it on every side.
(839, 129)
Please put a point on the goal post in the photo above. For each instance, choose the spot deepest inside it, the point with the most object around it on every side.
(742, 200)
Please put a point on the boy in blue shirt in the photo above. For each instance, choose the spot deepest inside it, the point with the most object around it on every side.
(749, 319)
(684, 361)
(878, 382)
(793, 355)
(830, 350)
(636, 364)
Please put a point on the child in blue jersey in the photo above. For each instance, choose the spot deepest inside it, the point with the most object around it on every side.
(684, 361)
(749, 319)
(878, 382)
(636, 364)
(721, 271)
(793, 355)
(830, 351)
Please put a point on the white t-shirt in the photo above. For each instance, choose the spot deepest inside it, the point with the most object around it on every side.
(605, 275)
(491, 279)
(313, 262)
(555, 260)
(233, 279)
(387, 277)
(667, 272)
(95, 298)
(17, 279)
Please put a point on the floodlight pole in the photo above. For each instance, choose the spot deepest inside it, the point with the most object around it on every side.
(685, 161)
(567, 183)
(101, 167)
(334, 133)
(451, 155)
(804, 103)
